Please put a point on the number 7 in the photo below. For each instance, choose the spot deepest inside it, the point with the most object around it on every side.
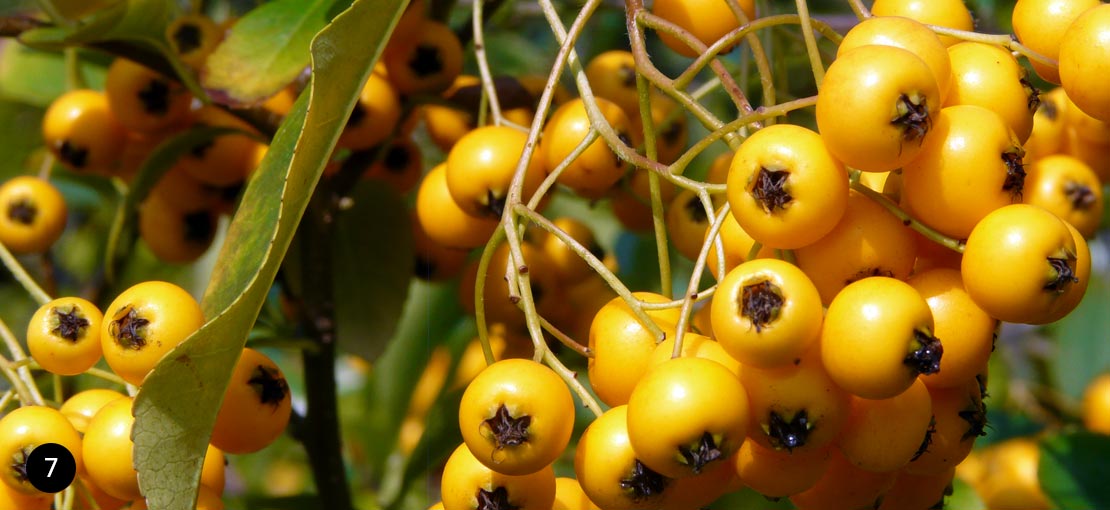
(53, 462)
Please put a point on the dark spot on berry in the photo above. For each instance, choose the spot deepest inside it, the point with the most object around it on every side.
(915, 122)
(927, 440)
(76, 156)
(269, 385)
(397, 158)
(975, 414)
(761, 303)
(70, 324)
(788, 434)
(496, 500)
(1015, 174)
(673, 132)
(19, 463)
(495, 205)
(23, 211)
(200, 227)
(1065, 275)
(1080, 195)
(127, 328)
(596, 250)
(867, 273)
(643, 482)
(1033, 95)
(703, 453)
(695, 210)
(155, 97)
(187, 37)
(925, 359)
(1049, 110)
(199, 150)
(769, 189)
(507, 430)
(627, 75)
(426, 61)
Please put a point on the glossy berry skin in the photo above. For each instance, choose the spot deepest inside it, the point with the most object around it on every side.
(1018, 264)
(969, 166)
(706, 20)
(766, 313)
(877, 337)
(1041, 25)
(785, 188)
(607, 467)
(988, 76)
(378, 109)
(429, 66)
(696, 346)
(867, 241)
(174, 235)
(256, 406)
(193, 37)
(776, 474)
(469, 485)
(81, 407)
(711, 407)
(736, 243)
(597, 169)
(24, 429)
(80, 129)
(32, 215)
(516, 416)
(967, 330)
(1083, 61)
(480, 168)
(883, 435)
(612, 75)
(876, 106)
(1068, 188)
(443, 220)
(844, 487)
(143, 100)
(229, 158)
(107, 445)
(144, 323)
(64, 336)
(795, 409)
(959, 419)
(945, 13)
(622, 346)
(1096, 405)
(569, 496)
(905, 33)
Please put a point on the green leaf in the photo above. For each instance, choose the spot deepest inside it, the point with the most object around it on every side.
(1073, 470)
(164, 156)
(176, 407)
(1083, 351)
(432, 312)
(136, 28)
(36, 77)
(372, 240)
(19, 136)
(265, 51)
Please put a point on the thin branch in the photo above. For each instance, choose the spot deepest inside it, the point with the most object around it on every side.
(23, 277)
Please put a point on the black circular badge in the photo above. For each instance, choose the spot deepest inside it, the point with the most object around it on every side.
(51, 468)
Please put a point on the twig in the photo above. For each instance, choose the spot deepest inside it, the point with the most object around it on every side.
(955, 245)
(23, 277)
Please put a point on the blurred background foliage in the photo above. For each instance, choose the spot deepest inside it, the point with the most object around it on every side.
(395, 323)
